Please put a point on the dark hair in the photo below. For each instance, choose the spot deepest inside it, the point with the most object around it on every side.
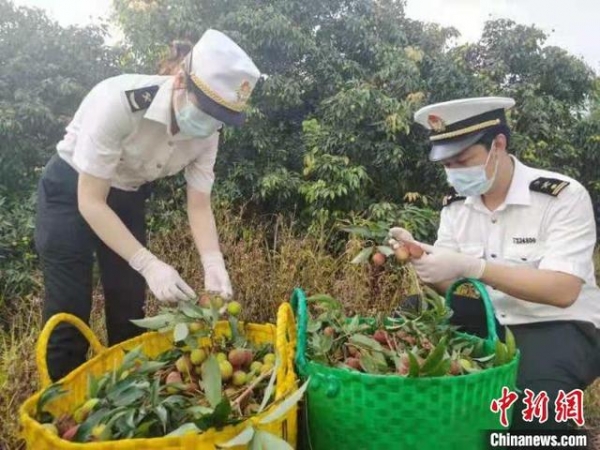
(178, 50)
(487, 139)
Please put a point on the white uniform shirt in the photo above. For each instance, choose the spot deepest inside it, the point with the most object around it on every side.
(530, 229)
(109, 139)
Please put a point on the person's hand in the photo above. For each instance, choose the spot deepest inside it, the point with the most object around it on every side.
(398, 236)
(216, 278)
(163, 280)
(441, 264)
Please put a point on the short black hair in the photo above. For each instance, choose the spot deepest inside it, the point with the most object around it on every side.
(487, 139)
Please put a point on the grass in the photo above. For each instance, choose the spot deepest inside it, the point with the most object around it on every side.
(265, 265)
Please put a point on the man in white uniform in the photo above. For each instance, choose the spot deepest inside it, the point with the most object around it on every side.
(129, 131)
(528, 234)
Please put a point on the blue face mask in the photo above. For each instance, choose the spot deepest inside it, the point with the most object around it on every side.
(471, 181)
(194, 122)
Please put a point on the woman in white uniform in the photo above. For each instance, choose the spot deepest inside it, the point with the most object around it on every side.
(129, 131)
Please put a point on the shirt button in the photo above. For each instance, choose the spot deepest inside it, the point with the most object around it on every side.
(159, 165)
(170, 143)
(494, 220)
(493, 255)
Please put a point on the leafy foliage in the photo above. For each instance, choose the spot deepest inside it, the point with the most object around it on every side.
(330, 136)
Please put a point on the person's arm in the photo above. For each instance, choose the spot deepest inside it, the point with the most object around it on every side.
(569, 241)
(202, 221)
(97, 154)
(548, 287)
(200, 178)
(92, 193)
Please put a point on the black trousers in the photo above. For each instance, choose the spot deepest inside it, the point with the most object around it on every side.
(558, 355)
(66, 246)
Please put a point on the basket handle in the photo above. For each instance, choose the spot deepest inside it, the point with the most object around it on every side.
(42, 344)
(299, 305)
(487, 303)
(285, 343)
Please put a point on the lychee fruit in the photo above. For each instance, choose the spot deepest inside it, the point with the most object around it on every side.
(239, 378)
(234, 308)
(269, 358)
(378, 259)
(381, 336)
(69, 435)
(353, 363)
(197, 356)
(226, 370)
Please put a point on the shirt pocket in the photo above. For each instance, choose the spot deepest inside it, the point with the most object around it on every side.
(523, 255)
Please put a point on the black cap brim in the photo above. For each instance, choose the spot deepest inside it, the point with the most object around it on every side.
(216, 110)
(448, 148)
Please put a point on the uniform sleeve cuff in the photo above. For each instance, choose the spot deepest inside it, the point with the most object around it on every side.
(560, 265)
(105, 173)
(199, 183)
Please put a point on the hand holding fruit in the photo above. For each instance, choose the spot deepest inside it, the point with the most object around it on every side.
(441, 264)
(404, 245)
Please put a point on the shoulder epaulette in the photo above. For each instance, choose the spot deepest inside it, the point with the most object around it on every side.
(451, 198)
(549, 186)
(141, 98)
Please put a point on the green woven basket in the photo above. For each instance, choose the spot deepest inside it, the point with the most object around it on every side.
(349, 410)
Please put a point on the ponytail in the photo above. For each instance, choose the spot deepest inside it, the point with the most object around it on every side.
(177, 52)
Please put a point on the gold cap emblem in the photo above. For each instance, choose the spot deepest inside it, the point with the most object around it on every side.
(244, 91)
(436, 123)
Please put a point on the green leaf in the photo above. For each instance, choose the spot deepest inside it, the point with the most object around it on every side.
(93, 386)
(265, 440)
(85, 429)
(362, 256)
(144, 428)
(241, 439)
(130, 358)
(270, 386)
(441, 369)
(150, 367)
(371, 364)
(222, 412)
(324, 298)
(199, 411)
(181, 332)
(313, 326)
(501, 353)
(211, 378)
(387, 251)
(192, 311)
(155, 322)
(414, 368)
(53, 391)
(162, 414)
(435, 356)
(366, 341)
(235, 334)
(183, 430)
(283, 408)
(511, 346)
(363, 232)
(129, 396)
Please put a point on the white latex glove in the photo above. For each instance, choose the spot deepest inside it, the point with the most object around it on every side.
(399, 235)
(441, 264)
(216, 278)
(163, 280)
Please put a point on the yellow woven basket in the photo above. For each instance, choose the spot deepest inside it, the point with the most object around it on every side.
(153, 343)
